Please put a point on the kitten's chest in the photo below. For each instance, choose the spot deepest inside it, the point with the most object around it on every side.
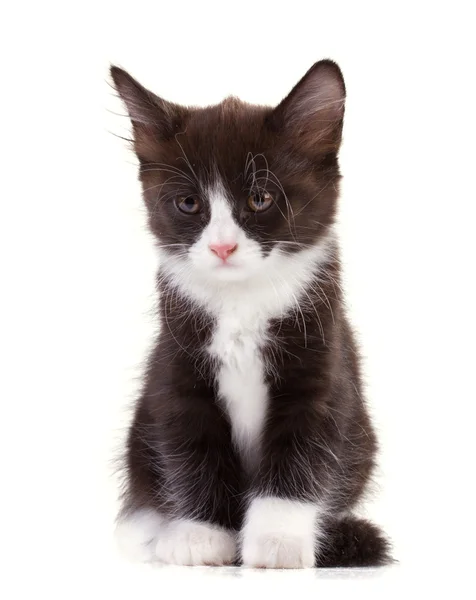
(237, 345)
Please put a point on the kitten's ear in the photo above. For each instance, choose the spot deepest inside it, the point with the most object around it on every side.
(312, 114)
(153, 119)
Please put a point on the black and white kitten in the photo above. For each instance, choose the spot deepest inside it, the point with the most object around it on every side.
(251, 442)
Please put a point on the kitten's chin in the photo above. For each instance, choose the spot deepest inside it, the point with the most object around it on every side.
(229, 273)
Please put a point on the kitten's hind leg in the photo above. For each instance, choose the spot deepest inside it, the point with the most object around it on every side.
(137, 533)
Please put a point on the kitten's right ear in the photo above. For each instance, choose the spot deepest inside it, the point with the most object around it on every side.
(153, 119)
(312, 114)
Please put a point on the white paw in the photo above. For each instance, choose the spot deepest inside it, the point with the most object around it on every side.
(279, 534)
(195, 543)
(278, 551)
(136, 534)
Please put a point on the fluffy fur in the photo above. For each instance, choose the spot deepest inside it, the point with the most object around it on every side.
(251, 438)
(281, 533)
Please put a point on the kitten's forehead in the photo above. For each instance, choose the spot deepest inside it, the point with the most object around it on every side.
(223, 139)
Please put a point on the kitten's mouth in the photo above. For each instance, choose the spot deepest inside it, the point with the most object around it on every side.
(227, 271)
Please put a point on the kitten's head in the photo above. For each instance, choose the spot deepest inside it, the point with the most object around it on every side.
(232, 189)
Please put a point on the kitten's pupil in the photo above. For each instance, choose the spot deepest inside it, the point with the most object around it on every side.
(260, 201)
(189, 204)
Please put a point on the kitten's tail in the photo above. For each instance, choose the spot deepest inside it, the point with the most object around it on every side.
(353, 542)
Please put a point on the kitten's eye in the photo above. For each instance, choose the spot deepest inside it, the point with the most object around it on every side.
(189, 204)
(260, 202)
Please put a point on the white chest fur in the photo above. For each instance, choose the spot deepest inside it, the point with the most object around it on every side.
(237, 343)
(242, 312)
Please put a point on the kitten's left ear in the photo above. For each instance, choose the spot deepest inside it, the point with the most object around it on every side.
(313, 112)
(154, 120)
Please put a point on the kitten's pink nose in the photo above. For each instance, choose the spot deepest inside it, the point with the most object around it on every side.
(223, 251)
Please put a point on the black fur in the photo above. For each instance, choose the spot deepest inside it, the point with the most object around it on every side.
(353, 542)
(180, 458)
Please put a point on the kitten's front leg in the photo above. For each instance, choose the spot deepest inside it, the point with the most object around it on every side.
(282, 524)
(280, 533)
(193, 542)
(201, 481)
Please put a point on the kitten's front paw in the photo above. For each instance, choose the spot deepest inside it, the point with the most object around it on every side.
(195, 543)
(279, 534)
(278, 551)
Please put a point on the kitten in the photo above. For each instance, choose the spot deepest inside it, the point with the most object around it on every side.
(251, 442)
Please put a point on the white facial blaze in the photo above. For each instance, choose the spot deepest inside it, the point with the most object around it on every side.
(222, 228)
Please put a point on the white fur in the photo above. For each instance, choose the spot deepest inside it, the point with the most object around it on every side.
(280, 534)
(136, 534)
(146, 536)
(222, 229)
(240, 380)
(185, 542)
(243, 297)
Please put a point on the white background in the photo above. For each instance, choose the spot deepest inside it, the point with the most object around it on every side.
(77, 268)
